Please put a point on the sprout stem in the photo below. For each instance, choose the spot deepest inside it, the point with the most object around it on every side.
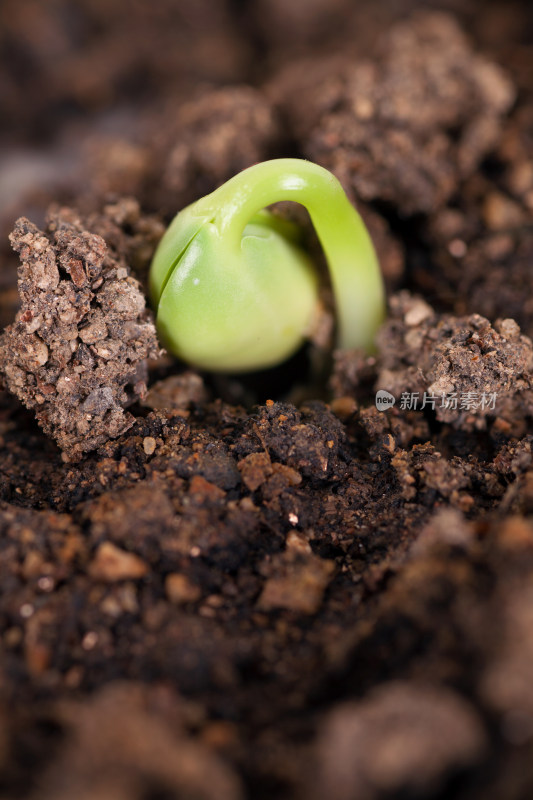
(353, 265)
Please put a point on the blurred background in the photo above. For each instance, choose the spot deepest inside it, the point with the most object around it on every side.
(64, 61)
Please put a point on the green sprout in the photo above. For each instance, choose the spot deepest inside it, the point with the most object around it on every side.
(235, 292)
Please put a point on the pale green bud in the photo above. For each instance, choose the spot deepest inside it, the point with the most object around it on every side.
(233, 290)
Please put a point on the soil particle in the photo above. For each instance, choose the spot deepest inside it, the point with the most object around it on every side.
(425, 468)
(131, 236)
(405, 127)
(255, 470)
(111, 564)
(120, 746)
(461, 368)
(76, 353)
(309, 441)
(180, 589)
(298, 579)
(176, 392)
(149, 445)
(404, 737)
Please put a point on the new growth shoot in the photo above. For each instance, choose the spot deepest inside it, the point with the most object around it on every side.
(234, 291)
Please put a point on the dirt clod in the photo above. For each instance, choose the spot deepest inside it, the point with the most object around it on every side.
(405, 127)
(76, 353)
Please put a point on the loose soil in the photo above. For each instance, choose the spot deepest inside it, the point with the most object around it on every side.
(264, 586)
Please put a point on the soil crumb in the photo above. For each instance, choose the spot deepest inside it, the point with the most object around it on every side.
(405, 127)
(76, 352)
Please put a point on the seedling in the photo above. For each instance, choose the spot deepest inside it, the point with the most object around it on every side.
(235, 292)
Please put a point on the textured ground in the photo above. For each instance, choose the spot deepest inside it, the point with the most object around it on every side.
(264, 587)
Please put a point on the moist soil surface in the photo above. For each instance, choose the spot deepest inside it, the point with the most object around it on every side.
(278, 585)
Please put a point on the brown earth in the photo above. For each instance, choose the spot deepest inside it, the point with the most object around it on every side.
(224, 587)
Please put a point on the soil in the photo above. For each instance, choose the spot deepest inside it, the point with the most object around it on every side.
(266, 586)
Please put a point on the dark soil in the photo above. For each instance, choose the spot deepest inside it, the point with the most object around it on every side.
(263, 586)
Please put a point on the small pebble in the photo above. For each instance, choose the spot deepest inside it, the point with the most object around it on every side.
(149, 445)
(180, 590)
(113, 564)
